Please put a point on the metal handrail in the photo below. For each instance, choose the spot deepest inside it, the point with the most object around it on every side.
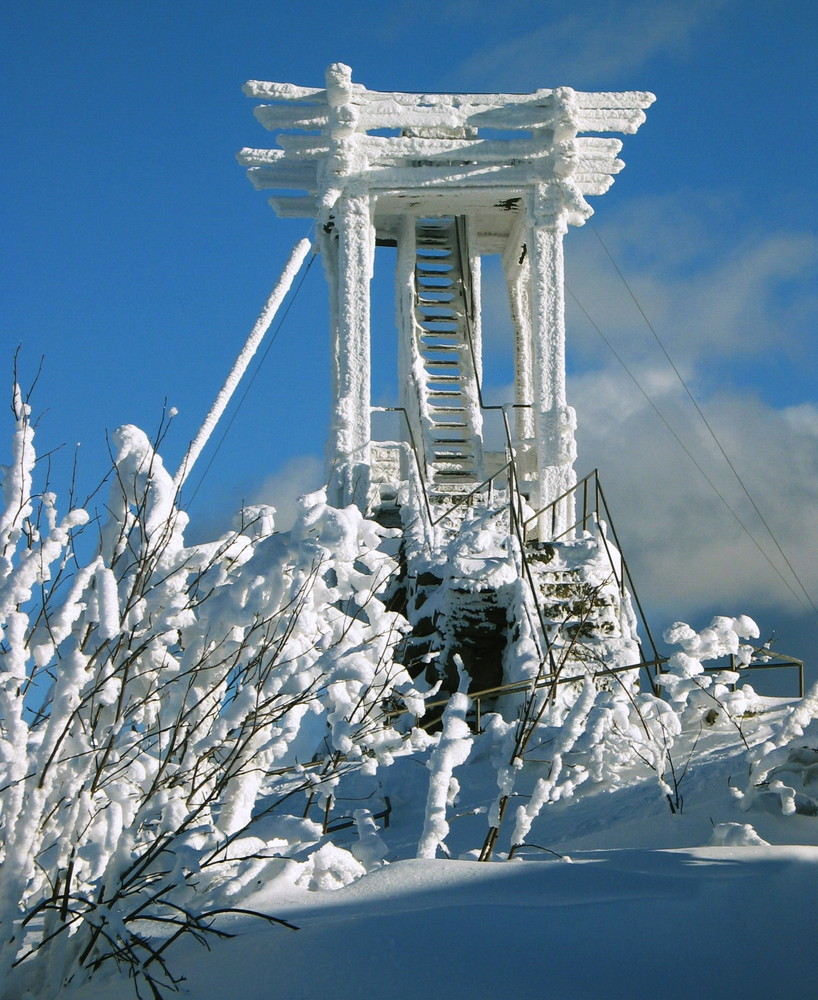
(460, 499)
(521, 687)
(624, 580)
(563, 496)
(768, 657)
(518, 523)
(626, 573)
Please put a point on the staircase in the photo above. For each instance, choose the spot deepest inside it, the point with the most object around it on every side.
(588, 617)
(448, 390)
(466, 605)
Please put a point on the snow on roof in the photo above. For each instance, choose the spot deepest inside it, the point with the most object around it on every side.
(404, 142)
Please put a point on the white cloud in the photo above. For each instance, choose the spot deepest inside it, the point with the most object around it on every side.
(741, 295)
(733, 310)
(688, 552)
(710, 292)
(590, 44)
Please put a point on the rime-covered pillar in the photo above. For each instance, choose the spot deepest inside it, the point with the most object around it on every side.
(348, 445)
(348, 240)
(523, 387)
(410, 364)
(515, 266)
(474, 265)
(554, 420)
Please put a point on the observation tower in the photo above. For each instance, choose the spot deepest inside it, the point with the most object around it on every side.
(496, 529)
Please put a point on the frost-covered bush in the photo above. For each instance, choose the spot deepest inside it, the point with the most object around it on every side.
(158, 702)
(693, 692)
(783, 769)
(601, 735)
(451, 750)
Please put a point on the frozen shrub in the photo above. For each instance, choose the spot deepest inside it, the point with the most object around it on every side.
(159, 700)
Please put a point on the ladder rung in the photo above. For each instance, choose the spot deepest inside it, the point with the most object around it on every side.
(439, 312)
(441, 315)
(433, 267)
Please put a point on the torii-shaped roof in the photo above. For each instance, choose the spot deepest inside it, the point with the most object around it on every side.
(408, 147)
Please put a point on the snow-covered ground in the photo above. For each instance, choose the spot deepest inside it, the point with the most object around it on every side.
(697, 922)
(635, 901)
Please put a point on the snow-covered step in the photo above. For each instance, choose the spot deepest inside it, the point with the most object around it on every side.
(578, 607)
(453, 475)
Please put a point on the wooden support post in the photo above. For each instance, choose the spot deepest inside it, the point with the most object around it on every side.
(349, 440)
(554, 420)
(516, 268)
(410, 364)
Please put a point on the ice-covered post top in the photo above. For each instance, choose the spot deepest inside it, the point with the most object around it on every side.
(368, 164)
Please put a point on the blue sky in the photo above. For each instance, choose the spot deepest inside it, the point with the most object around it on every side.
(137, 255)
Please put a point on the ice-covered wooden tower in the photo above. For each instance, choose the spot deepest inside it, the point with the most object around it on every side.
(448, 179)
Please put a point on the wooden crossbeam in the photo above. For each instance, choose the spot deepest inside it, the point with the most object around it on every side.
(428, 142)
